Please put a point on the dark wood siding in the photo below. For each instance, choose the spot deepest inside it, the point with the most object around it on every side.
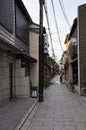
(6, 14)
(22, 25)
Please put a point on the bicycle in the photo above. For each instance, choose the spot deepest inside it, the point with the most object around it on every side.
(70, 86)
(83, 91)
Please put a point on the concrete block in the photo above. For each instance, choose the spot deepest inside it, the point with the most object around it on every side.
(22, 91)
(22, 81)
(20, 72)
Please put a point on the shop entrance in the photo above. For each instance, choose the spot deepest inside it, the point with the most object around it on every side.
(10, 81)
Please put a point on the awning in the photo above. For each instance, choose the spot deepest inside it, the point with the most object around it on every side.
(25, 57)
(7, 48)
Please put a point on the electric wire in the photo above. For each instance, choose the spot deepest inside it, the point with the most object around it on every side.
(46, 12)
(45, 7)
(56, 26)
(63, 11)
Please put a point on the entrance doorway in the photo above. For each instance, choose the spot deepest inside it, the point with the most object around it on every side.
(10, 81)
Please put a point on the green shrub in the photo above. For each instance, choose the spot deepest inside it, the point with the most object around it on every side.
(47, 79)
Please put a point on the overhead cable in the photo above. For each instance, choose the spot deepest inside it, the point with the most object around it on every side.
(63, 11)
(46, 12)
(57, 26)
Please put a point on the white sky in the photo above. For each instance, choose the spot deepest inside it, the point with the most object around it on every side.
(70, 7)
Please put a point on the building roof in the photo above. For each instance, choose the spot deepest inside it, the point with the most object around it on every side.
(66, 39)
(22, 6)
(73, 28)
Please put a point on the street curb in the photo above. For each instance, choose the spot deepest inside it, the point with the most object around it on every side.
(27, 114)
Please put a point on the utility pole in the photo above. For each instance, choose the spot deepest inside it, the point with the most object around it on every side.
(41, 48)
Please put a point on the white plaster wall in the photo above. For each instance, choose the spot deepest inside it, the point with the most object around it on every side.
(34, 74)
(34, 52)
(22, 82)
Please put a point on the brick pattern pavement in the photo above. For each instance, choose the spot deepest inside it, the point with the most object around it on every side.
(61, 110)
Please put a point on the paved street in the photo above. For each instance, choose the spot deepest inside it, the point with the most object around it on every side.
(61, 110)
(13, 113)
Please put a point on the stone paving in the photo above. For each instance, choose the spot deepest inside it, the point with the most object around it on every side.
(13, 112)
(61, 110)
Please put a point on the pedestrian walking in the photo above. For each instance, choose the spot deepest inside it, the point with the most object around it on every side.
(61, 77)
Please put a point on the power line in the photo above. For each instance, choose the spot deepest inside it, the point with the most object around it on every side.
(56, 25)
(63, 11)
(46, 12)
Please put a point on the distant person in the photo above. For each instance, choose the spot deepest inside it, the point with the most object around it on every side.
(61, 77)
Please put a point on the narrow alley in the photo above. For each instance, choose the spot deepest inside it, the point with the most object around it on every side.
(61, 110)
(38, 41)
